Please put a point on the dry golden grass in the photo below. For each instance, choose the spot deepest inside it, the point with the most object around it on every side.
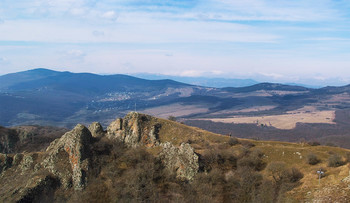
(285, 121)
(244, 109)
(178, 133)
(294, 155)
(176, 110)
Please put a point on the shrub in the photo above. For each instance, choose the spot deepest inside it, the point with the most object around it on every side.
(276, 170)
(280, 173)
(249, 182)
(330, 144)
(347, 157)
(247, 144)
(252, 160)
(172, 118)
(314, 143)
(312, 159)
(335, 160)
(233, 141)
(293, 175)
(223, 159)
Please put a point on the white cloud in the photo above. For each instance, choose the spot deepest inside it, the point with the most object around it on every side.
(75, 53)
(191, 73)
(250, 36)
(110, 15)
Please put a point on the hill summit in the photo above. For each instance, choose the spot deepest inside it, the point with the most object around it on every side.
(144, 158)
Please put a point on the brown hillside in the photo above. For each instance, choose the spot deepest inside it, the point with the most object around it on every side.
(142, 158)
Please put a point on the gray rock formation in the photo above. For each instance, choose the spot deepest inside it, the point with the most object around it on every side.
(67, 161)
(72, 149)
(96, 129)
(26, 163)
(135, 130)
(38, 189)
(182, 161)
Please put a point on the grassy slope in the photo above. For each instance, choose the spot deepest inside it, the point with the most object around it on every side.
(286, 152)
(309, 188)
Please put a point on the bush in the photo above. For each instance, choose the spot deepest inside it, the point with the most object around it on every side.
(293, 175)
(280, 173)
(347, 157)
(335, 160)
(312, 159)
(247, 144)
(276, 170)
(249, 182)
(223, 159)
(172, 118)
(314, 143)
(252, 160)
(233, 141)
(330, 144)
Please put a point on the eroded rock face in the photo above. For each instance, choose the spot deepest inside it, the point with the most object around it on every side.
(5, 162)
(38, 189)
(135, 130)
(66, 162)
(69, 157)
(96, 129)
(27, 162)
(182, 161)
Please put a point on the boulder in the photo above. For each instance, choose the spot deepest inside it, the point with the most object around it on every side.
(68, 157)
(96, 130)
(115, 129)
(182, 161)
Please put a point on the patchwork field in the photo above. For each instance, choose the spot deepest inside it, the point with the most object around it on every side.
(176, 110)
(285, 121)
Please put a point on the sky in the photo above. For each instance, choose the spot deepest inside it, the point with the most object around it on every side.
(300, 41)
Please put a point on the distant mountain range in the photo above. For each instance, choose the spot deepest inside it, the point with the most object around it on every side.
(47, 97)
(201, 81)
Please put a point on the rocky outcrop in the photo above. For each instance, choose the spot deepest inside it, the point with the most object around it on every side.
(96, 130)
(38, 189)
(5, 162)
(143, 130)
(68, 157)
(8, 140)
(68, 160)
(27, 162)
(135, 130)
(115, 129)
(182, 161)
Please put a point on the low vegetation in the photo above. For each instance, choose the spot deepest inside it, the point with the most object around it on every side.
(335, 160)
(312, 159)
(229, 169)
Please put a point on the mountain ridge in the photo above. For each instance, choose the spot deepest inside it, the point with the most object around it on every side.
(64, 99)
(168, 161)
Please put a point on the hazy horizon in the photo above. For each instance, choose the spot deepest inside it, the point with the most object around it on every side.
(282, 41)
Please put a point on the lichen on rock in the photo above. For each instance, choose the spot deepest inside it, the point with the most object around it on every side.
(73, 147)
(135, 130)
(96, 129)
(182, 161)
(26, 163)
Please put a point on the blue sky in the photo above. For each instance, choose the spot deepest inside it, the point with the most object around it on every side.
(283, 41)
